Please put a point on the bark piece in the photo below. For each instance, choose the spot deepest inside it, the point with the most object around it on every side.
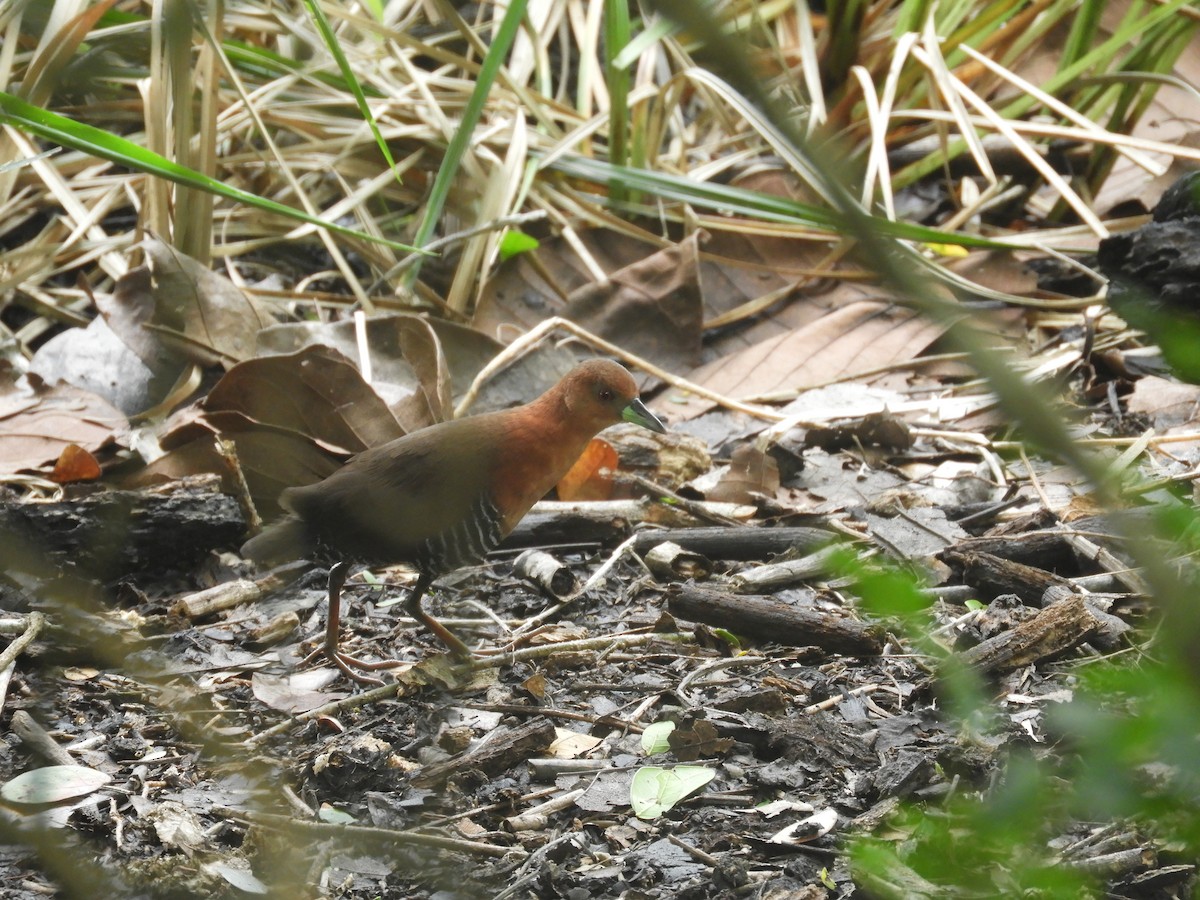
(111, 533)
(737, 541)
(505, 748)
(1054, 630)
(788, 572)
(994, 576)
(544, 570)
(768, 619)
(1048, 550)
(670, 562)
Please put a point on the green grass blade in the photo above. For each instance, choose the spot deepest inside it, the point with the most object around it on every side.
(616, 38)
(754, 204)
(1084, 26)
(488, 70)
(88, 139)
(352, 82)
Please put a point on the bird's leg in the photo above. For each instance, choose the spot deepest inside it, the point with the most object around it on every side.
(333, 627)
(412, 605)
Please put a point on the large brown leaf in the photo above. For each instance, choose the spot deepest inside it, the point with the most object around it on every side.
(652, 308)
(409, 368)
(183, 309)
(848, 341)
(316, 392)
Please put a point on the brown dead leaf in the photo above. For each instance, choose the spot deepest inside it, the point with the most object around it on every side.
(130, 311)
(296, 693)
(417, 366)
(860, 337)
(432, 400)
(196, 312)
(873, 430)
(587, 479)
(270, 460)
(533, 286)
(652, 308)
(700, 740)
(316, 393)
(1167, 403)
(75, 464)
(37, 423)
(751, 472)
(997, 271)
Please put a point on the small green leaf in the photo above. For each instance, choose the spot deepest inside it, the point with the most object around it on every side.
(654, 738)
(655, 790)
(975, 605)
(516, 242)
(332, 816)
(53, 784)
(728, 637)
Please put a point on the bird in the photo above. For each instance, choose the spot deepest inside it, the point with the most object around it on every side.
(442, 497)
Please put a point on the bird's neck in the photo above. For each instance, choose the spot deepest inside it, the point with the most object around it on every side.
(543, 441)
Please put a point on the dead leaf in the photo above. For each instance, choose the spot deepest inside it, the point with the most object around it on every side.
(700, 740)
(652, 308)
(37, 423)
(130, 310)
(97, 360)
(197, 313)
(417, 366)
(75, 464)
(533, 286)
(587, 479)
(298, 692)
(861, 337)
(751, 472)
(1167, 403)
(873, 430)
(270, 460)
(316, 392)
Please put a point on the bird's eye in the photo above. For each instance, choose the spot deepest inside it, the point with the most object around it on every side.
(606, 394)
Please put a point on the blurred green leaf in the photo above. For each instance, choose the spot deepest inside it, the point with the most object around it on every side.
(655, 790)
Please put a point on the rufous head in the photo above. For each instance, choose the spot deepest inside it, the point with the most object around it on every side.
(600, 393)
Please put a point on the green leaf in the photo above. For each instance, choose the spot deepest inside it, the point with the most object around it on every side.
(515, 243)
(728, 637)
(654, 738)
(332, 816)
(655, 790)
(740, 201)
(53, 784)
(975, 605)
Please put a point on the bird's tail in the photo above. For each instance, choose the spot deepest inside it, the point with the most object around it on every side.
(280, 542)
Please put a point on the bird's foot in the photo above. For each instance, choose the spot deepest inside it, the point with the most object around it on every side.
(350, 664)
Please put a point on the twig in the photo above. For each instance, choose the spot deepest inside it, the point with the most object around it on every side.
(535, 335)
(458, 237)
(360, 833)
(597, 643)
(683, 690)
(34, 622)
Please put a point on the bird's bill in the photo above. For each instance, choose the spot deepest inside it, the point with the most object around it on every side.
(637, 413)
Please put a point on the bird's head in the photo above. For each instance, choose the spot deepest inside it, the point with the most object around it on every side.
(599, 393)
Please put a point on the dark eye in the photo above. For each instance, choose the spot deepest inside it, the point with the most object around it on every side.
(605, 394)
